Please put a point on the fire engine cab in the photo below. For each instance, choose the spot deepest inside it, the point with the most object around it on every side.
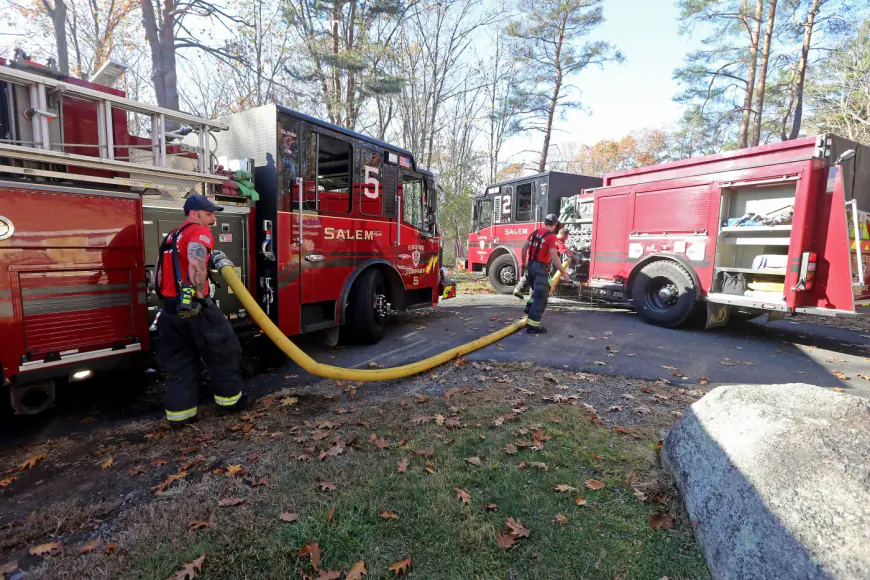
(344, 231)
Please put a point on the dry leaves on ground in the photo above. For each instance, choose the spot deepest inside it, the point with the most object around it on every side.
(325, 486)
(462, 495)
(49, 549)
(661, 522)
(561, 519)
(389, 515)
(6, 481)
(288, 517)
(401, 567)
(357, 571)
(475, 461)
(311, 549)
(565, 488)
(595, 484)
(201, 524)
(107, 463)
(580, 501)
(510, 449)
(190, 570)
(90, 546)
(31, 462)
(231, 501)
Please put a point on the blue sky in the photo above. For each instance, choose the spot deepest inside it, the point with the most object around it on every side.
(624, 97)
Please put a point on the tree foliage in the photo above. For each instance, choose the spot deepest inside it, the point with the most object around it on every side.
(548, 34)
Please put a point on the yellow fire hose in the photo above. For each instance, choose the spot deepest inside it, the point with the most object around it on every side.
(330, 372)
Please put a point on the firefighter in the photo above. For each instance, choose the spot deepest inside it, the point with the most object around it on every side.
(561, 248)
(539, 251)
(191, 326)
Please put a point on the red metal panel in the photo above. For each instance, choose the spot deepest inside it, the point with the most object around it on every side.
(610, 235)
(833, 284)
(682, 210)
(57, 233)
(797, 149)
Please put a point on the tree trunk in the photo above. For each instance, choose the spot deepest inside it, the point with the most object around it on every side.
(802, 70)
(554, 100)
(762, 74)
(755, 32)
(58, 21)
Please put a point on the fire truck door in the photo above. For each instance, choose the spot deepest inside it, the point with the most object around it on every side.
(417, 247)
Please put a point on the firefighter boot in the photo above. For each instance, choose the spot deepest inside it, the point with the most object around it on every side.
(518, 293)
(239, 405)
(535, 330)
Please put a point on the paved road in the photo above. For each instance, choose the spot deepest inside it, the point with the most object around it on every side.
(579, 338)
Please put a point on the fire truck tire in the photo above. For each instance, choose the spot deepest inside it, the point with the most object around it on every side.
(503, 274)
(364, 319)
(664, 294)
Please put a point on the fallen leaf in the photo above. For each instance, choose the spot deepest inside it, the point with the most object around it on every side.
(389, 515)
(190, 570)
(595, 484)
(439, 419)
(401, 567)
(840, 375)
(615, 408)
(642, 410)
(90, 546)
(8, 568)
(169, 481)
(726, 363)
(236, 471)
(598, 363)
(289, 401)
(357, 571)
(159, 462)
(516, 528)
(31, 462)
(231, 501)
(498, 422)
(428, 452)
(491, 507)
(704, 381)
(564, 488)
(661, 522)
(580, 501)
(430, 468)
(838, 389)
(422, 419)
(325, 486)
(202, 524)
(311, 549)
(402, 465)
(561, 519)
(462, 495)
(538, 465)
(375, 365)
(49, 549)
(6, 481)
(641, 496)
(510, 449)
(288, 517)
(473, 461)
(381, 443)
(505, 541)
(110, 548)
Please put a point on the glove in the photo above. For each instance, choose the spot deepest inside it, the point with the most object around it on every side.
(218, 260)
(195, 308)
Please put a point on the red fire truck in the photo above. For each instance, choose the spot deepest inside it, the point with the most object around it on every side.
(776, 229)
(84, 204)
(507, 212)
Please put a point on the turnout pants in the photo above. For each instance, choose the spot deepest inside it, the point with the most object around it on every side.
(182, 343)
(539, 281)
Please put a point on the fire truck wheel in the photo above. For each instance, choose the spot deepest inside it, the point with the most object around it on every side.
(367, 312)
(503, 274)
(664, 293)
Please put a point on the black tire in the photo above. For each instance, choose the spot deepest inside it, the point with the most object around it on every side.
(664, 294)
(503, 274)
(366, 323)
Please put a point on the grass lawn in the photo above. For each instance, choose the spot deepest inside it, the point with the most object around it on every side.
(338, 501)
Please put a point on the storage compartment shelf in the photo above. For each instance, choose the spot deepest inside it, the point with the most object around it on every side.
(756, 241)
(755, 229)
(763, 271)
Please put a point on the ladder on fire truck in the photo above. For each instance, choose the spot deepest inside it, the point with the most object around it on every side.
(41, 149)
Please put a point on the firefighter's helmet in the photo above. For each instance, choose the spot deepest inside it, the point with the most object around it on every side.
(551, 219)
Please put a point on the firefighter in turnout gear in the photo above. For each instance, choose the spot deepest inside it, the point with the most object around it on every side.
(191, 327)
(538, 252)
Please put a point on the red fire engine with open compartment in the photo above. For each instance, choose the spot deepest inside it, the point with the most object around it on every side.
(779, 229)
(84, 204)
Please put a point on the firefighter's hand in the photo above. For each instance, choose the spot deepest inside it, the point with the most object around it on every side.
(195, 308)
(218, 260)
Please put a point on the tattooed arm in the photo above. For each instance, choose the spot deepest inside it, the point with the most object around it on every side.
(197, 271)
